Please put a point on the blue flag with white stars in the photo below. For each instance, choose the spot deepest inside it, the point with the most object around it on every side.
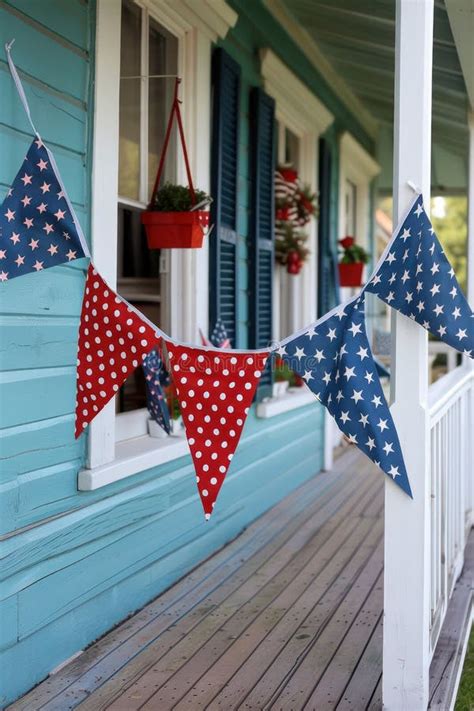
(156, 377)
(37, 227)
(416, 278)
(334, 359)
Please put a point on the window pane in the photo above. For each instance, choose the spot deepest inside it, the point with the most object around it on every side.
(129, 148)
(163, 59)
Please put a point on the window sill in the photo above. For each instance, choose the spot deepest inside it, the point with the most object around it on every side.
(131, 457)
(291, 400)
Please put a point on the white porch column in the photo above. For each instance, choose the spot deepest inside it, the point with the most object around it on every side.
(406, 650)
(470, 214)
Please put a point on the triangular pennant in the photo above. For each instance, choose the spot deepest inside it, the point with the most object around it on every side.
(215, 389)
(37, 227)
(156, 377)
(417, 279)
(334, 359)
(113, 341)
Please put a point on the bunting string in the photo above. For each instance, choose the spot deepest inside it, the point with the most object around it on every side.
(215, 385)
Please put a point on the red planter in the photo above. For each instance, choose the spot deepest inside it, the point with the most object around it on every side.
(351, 274)
(175, 230)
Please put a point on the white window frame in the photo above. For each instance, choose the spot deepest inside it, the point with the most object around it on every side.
(298, 109)
(108, 458)
(358, 166)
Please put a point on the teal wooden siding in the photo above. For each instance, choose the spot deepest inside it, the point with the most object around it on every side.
(76, 563)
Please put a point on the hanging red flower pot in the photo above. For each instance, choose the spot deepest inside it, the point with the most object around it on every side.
(351, 274)
(174, 218)
(351, 266)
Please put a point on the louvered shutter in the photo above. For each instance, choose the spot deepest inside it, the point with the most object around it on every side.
(262, 224)
(327, 262)
(224, 181)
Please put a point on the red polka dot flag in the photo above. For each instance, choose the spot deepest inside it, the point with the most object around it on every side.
(113, 341)
(215, 389)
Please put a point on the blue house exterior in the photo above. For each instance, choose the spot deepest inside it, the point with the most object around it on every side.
(78, 557)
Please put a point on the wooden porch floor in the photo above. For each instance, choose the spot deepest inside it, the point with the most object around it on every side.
(287, 616)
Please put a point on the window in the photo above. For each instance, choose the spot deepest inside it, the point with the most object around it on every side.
(148, 65)
(118, 446)
(350, 224)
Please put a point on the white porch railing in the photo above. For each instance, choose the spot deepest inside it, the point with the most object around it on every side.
(451, 417)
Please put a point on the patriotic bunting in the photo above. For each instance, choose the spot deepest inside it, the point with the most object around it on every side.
(215, 390)
(37, 227)
(334, 359)
(215, 387)
(416, 279)
(156, 378)
(113, 341)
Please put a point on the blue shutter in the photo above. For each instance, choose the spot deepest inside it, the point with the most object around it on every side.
(328, 281)
(224, 182)
(262, 224)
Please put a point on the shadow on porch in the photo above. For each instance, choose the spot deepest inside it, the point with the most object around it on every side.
(287, 616)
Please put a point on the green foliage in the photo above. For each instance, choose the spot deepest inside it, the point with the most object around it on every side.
(452, 233)
(465, 697)
(289, 239)
(355, 253)
(176, 198)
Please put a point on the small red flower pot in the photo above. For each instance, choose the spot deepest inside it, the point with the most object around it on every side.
(351, 274)
(175, 230)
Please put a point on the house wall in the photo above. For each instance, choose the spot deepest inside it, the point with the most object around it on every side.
(76, 563)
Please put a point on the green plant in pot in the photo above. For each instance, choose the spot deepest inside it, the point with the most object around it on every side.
(177, 215)
(351, 264)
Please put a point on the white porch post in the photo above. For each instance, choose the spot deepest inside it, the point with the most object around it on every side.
(406, 649)
(470, 214)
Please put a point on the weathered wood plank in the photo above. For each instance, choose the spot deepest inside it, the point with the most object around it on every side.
(293, 692)
(200, 623)
(366, 675)
(326, 557)
(340, 668)
(140, 629)
(236, 671)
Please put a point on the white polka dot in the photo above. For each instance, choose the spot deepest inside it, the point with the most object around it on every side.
(239, 397)
(184, 405)
(225, 372)
(199, 406)
(205, 394)
(222, 469)
(223, 420)
(200, 382)
(116, 313)
(213, 479)
(215, 431)
(205, 492)
(144, 342)
(207, 418)
(113, 375)
(198, 479)
(205, 467)
(248, 386)
(230, 408)
(250, 361)
(214, 408)
(124, 368)
(217, 359)
(214, 455)
(241, 373)
(176, 367)
(103, 393)
(142, 329)
(222, 396)
(190, 417)
(198, 455)
(257, 373)
(232, 433)
(233, 360)
(200, 430)
(208, 442)
(200, 358)
(191, 440)
(224, 444)
(191, 393)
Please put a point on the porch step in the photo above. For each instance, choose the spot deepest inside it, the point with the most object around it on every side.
(446, 665)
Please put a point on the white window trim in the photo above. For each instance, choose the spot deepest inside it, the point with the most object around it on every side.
(307, 117)
(358, 166)
(293, 399)
(107, 459)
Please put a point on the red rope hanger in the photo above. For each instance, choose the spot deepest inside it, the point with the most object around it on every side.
(175, 112)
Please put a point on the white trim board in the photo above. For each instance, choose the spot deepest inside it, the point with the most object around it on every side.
(296, 105)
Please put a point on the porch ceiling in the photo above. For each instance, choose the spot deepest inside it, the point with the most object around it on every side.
(357, 37)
